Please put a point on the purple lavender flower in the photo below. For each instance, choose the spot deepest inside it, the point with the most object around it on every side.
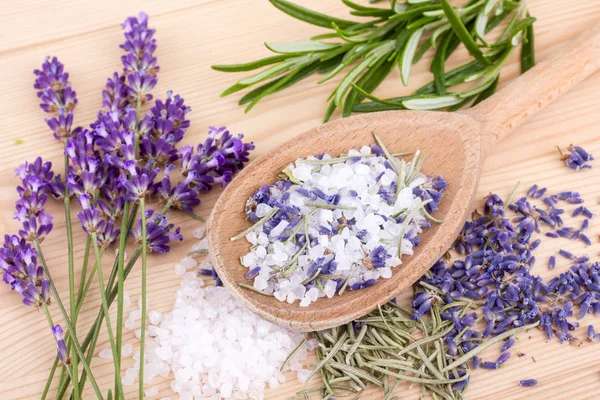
(170, 121)
(158, 232)
(139, 64)
(62, 352)
(18, 263)
(57, 97)
(90, 215)
(141, 183)
(183, 196)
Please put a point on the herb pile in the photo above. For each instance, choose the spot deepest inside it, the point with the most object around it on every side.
(337, 224)
(113, 168)
(396, 36)
(483, 293)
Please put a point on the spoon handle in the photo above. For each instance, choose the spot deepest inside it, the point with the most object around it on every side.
(532, 91)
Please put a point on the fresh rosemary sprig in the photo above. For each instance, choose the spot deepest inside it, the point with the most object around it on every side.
(395, 36)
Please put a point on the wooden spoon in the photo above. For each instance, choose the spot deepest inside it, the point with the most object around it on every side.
(455, 145)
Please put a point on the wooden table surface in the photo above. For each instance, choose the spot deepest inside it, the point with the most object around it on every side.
(192, 35)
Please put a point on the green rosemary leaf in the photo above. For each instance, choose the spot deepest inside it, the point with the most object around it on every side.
(408, 54)
(329, 64)
(273, 88)
(358, 7)
(369, 81)
(268, 73)
(438, 64)
(460, 105)
(421, 52)
(250, 65)
(374, 106)
(301, 47)
(310, 16)
(490, 90)
(528, 50)
(384, 30)
(340, 51)
(494, 22)
(420, 22)
(435, 35)
(232, 89)
(301, 74)
(374, 56)
(521, 25)
(329, 111)
(489, 6)
(330, 35)
(509, 5)
(462, 33)
(431, 102)
(375, 12)
(413, 12)
(348, 59)
(481, 25)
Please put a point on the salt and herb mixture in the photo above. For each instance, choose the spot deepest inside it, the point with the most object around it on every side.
(336, 224)
(211, 345)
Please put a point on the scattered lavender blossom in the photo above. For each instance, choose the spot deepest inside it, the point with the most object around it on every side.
(577, 158)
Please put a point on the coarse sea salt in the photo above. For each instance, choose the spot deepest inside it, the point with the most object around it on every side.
(213, 347)
(337, 224)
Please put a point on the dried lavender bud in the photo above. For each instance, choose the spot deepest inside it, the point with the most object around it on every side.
(528, 382)
(489, 365)
(508, 344)
(551, 262)
(566, 254)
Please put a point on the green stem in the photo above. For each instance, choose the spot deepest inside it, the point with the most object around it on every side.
(86, 258)
(72, 305)
(106, 314)
(67, 321)
(50, 379)
(121, 286)
(92, 335)
(144, 302)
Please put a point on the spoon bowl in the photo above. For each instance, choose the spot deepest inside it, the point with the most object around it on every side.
(454, 144)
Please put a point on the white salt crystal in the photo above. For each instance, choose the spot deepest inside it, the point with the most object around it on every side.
(263, 209)
(130, 324)
(106, 354)
(127, 350)
(130, 377)
(126, 299)
(151, 391)
(154, 317)
(199, 232)
(136, 314)
(188, 262)
(179, 269)
(385, 272)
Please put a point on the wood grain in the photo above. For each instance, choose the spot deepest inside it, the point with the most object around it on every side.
(192, 36)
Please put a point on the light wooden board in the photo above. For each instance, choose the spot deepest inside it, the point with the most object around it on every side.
(192, 35)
